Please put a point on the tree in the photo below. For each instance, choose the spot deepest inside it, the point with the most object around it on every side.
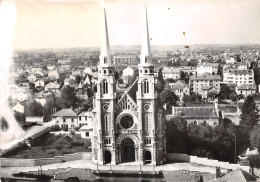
(227, 92)
(169, 98)
(257, 74)
(184, 76)
(34, 109)
(255, 137)
(48, 107)
(68, 97)
(249, 116)
(192, 98)
(77, 79)
(254, 161)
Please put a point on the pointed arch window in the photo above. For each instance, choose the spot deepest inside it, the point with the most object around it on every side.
(105, 60)
(106, 122)
(105, 87)
(146, 86)
(146, 119)
(145, 59)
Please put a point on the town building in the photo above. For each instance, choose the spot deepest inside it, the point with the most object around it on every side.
(132, 128)
(197, 114)
(67, 118)
(246, 89)
(239, 77)
(171, 72)
(207, 68)
(180, 89)
(198, 84)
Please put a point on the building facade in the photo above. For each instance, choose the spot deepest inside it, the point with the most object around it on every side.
(239, 77)
(129, 128)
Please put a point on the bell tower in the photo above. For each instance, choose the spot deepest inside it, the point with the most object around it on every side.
(103, 141)
(151, 123)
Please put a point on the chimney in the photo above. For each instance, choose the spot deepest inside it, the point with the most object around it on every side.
(217, 172)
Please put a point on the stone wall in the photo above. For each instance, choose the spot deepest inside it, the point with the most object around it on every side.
(13, 162)
(204, 161)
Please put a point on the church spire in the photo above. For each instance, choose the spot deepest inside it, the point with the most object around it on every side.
(145, 57)
(105, 48)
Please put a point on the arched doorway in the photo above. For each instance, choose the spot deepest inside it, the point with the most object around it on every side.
(127, 150)
(147, 157)
(107, 157)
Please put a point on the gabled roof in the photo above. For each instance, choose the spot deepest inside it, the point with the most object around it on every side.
(64, 112)
(246, 87)
(205, 77)
(131, 91)
(236, 176)
(195, 112)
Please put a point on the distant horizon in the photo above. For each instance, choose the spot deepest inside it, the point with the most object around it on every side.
(113, 46)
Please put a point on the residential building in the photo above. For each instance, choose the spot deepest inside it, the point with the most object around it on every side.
(52, 86)
(246, 89)
(180, 89)
(207, 68)
(171, 72)
(198, 84)
(239, 77)
(66, 118)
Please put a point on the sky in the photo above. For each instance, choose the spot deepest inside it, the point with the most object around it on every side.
(78, 24)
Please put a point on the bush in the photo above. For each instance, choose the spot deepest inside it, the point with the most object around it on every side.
(77, 143)
(55, 128)
(254, 161)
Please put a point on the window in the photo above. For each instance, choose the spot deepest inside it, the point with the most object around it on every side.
(145, 59)
(107, 141)
(64, 120)
(80, 118)
(105, 60)
(106, 122)
(146, 86)
(87, 134)
(105, 87)
(146, 119)
(72, 126)
(72, 120)
(147, 141)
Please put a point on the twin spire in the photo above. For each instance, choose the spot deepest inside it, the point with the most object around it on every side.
(105, 48)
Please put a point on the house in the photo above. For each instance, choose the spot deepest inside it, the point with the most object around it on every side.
(197, 114)
(86, 131)
(39, 83)
(43, 97)
(19, 94)
(52, 86)
(246, 89)
(67, 118)
(32, 78)
(180, 89)
(53, 75)
(20, 107)
(171, 72)
(198, 83)
(128, 71)
(34, 119)
(209, 68)
(85, 118)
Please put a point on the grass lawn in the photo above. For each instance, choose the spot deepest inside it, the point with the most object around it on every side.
(52, 145)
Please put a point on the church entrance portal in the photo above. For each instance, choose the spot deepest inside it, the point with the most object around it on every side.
(127, 150)
(107, 157)
(148, 157)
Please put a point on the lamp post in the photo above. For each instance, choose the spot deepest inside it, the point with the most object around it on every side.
(235, 157)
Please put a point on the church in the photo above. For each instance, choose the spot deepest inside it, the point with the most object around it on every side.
(129, 127)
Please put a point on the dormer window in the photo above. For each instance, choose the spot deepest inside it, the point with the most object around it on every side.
(105, 60)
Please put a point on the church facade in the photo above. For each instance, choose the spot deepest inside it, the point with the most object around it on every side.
(128, 127)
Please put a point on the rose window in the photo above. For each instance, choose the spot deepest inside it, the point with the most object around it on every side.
(127, 122)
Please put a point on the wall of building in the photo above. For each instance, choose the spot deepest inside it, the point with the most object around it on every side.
(204, 161)
(13, 162)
